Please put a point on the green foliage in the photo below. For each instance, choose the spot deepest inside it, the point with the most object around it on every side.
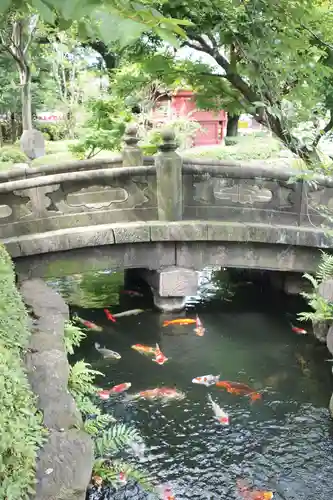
(21, 432)
(109, 471)
(104, 128)
(52, 131)
(322, 310)
(115, 439)
(247, 148)
(12, 155)
(183, 128)
(73, 336)
(231, 141)
(81, 378)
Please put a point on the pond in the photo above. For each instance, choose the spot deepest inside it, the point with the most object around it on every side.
(280, 443)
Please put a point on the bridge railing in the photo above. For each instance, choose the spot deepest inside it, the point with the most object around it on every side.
(165, 187)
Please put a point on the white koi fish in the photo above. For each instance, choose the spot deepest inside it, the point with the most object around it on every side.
(107, 353)
(131, 312)
(206, 380)
(220, 414)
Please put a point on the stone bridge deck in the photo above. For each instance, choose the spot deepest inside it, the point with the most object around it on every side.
(162, 211)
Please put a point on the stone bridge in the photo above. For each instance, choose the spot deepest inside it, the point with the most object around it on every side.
(165, 215)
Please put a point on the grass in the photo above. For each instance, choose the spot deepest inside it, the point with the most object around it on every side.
(56, 152)
(20, 429)
(248, 148)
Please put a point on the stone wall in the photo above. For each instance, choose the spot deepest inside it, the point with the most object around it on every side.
(65, 461)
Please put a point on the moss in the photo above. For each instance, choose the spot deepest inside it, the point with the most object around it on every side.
(21, 431)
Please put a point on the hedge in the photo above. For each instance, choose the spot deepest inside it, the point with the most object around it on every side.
(20, 425)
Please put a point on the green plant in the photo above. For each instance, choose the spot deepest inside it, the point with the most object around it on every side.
(12, 154)
(52, 131)
(231, 141)
(73, 336)
(322, 310)
(104, 129)
(20, 424)
(109, 471)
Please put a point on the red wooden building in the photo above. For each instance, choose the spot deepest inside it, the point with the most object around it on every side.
(182, 104)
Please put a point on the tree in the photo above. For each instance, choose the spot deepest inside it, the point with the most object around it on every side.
(275, 60)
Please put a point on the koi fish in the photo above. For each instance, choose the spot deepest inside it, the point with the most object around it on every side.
(132, 293)
(97, 481)
(131, 312)
(220, 414)
(299, 331)
(88, 324)
(160, 359)
(122, 478)
(117, 389)
(109, 316)
(199, 328)
(206, 380)
(180, 322)
(106, 353)
(161, 393)
(165, 493)
(239, 389)
(251, 494)
(144, 349)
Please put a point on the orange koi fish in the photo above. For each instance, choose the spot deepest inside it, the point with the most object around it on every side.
(109, 316)
(199, 328)
(117, 389)
(97, 480)
(179, 322)
(88, 324)
(144, 349)
(162, 393)
(299, 331)
(239, 389)
(160, 359)
(248, 493)
(165, 493)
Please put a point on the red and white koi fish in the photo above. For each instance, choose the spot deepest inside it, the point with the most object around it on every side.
(160, 359)
(206, 380)
(88, 324)
(220, 414)
(299, 331)
(179, 322)
(109, 316)
(199, 328)
(249, 493)
(122, 478)
(165, 493)
(117, 389)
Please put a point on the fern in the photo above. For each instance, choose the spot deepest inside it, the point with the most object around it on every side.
(73, 336)
(325, 268)
(97, 425)
(82, 378)
(115, 439)
(109, 471)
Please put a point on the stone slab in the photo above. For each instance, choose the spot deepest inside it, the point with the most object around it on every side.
(179, 231)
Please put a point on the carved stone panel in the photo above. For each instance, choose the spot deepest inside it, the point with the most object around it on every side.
(245, 194)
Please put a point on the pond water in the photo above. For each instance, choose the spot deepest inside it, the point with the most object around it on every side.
(282, 443)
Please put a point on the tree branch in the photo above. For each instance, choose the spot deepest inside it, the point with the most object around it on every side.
(324, 131)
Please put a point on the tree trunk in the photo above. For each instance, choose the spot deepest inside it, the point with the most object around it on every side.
(26, 98)
(13, 128)
(232, 125)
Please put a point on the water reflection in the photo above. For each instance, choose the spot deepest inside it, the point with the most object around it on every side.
(282, 443)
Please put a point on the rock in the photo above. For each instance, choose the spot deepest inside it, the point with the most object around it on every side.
(329, 339)
(331, 406)
(168, 304)
(320, 330)
(48, 373)
(64, 466)
(65, 462)
(32, 143)
(325, 289)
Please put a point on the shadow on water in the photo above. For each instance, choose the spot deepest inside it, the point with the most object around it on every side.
(282, 443)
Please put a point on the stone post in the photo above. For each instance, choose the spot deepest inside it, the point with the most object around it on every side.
(132, 154)
(169, 183)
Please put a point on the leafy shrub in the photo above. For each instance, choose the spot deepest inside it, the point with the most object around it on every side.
(104, 129)
(52, 131)
(231, 141)
(21, 431)
(12, 155)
